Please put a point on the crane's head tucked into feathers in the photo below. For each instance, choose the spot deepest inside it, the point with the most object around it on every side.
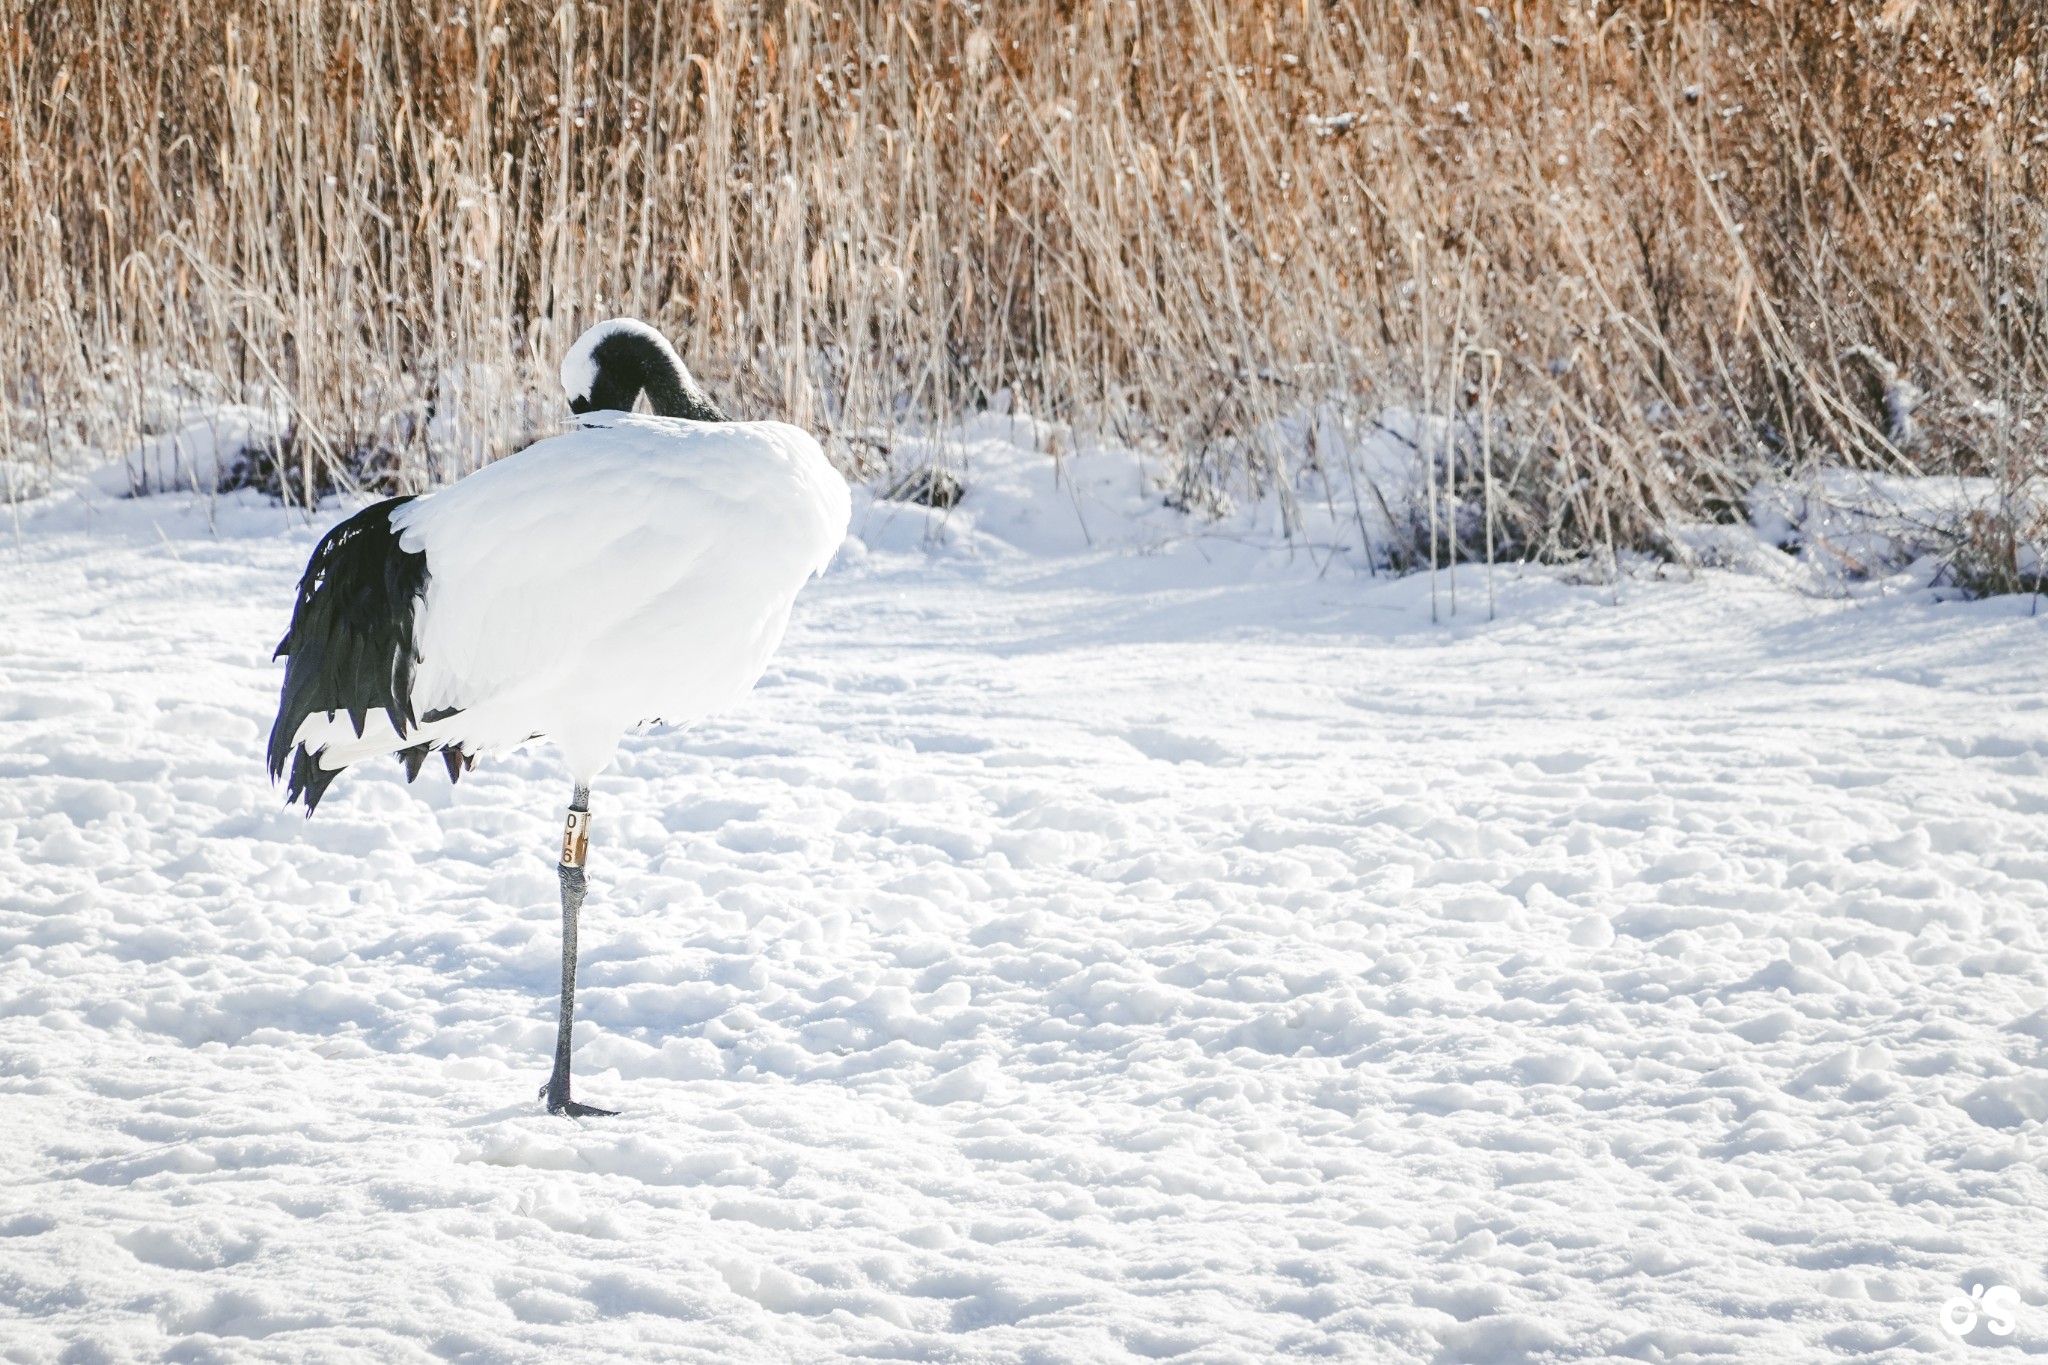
(613, 362)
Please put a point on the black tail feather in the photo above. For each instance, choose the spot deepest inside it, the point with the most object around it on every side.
(350, 644)
(309, 780)
(458, 760)
(413, 758)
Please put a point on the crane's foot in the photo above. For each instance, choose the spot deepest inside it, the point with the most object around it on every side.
(557, 1096)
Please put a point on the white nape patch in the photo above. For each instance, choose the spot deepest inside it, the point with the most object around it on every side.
(579, 366)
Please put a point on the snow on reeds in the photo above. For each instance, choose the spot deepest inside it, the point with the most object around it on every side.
(1637, 257)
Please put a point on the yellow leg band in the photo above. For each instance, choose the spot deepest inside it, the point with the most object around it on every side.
(576, 839)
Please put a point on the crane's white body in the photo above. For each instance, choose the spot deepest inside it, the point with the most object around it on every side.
(635, 570)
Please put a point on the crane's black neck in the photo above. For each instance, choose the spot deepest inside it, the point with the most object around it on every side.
(629, 363)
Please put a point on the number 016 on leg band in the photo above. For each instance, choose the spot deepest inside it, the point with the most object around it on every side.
(576, 838)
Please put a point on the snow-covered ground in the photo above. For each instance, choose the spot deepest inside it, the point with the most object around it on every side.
(1093, 941)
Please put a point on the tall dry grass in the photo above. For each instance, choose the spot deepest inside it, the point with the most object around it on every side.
(1666, 248)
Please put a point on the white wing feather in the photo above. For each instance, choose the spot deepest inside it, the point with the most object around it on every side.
(636, 569)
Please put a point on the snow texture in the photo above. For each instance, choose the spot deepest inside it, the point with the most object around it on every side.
(201, 455)
(1845, 525)
(1094, 940)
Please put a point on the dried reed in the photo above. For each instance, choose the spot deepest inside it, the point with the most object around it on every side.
(1658, 250)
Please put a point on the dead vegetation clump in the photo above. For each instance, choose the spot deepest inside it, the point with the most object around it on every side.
(1633, 257)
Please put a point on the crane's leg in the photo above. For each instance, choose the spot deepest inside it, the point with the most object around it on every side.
(575, 844)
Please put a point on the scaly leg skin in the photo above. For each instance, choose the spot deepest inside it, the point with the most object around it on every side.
(575, 843)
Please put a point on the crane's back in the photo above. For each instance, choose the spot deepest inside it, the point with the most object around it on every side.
(635, 569)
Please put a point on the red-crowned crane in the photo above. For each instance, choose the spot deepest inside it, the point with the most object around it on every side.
(634, 570)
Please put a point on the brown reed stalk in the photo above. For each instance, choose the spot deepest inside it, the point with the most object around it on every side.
(1695, 235)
